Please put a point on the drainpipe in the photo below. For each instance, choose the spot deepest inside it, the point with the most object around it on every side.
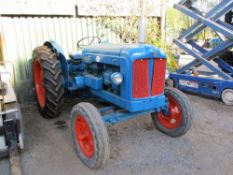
(1, 42)
(142, 24)
(163, 19)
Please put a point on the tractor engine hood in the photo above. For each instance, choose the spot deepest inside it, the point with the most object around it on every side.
(126, 51)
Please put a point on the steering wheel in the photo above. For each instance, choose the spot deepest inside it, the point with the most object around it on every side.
(90, 40)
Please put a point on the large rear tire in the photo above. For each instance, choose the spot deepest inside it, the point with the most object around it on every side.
(89, 135)
(48, 82)
(178, 121)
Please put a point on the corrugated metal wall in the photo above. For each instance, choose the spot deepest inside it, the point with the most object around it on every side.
(22, 34)
(37, 7)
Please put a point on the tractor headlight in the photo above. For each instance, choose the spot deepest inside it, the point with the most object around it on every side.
(167, 74)
(116, 78)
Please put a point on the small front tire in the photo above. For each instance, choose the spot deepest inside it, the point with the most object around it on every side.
(178, 121)
(89, 135)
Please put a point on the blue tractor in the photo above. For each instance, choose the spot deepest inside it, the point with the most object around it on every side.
(129, 77)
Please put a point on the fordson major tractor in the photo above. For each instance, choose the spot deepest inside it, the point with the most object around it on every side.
(128, 78)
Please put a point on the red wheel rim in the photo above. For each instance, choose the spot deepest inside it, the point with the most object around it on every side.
(174, 119)
(38, 81)
(84, 136)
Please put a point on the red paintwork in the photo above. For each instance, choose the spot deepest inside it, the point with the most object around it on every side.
(158, 76)
(141, 86)
(84, 136)
(174, 119)
(38, 82)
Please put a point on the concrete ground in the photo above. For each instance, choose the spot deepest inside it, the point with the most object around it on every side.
(136, 147)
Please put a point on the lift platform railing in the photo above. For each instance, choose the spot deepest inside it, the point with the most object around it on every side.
(214, 14)
(211, 20)
(218, 82)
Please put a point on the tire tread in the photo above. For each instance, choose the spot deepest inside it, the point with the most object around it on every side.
(53, 81)
(99, 131)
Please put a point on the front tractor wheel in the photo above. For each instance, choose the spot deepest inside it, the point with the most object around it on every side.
(178, 120)
(89, 135)
(48, 82)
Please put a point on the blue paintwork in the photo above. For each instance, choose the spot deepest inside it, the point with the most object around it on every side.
(115, 117)
(107, 108)
(63, 59)
(76, 55)
(121, 57)
(77, 82)
(106, 77)
(205, 85)
(225, 66)
(132, 105)
(93, 82)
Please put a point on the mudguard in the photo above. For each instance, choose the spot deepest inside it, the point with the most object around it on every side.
(62, 58)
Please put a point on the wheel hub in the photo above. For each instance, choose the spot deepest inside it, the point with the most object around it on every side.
(84, 136)
(173, 119)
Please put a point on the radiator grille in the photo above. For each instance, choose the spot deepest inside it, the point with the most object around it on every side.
(141, 81)
(158, 80)
(141, 78)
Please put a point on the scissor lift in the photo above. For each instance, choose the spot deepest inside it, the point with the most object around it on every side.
(218, 80)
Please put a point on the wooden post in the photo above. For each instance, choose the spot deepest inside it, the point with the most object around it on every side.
(1, 44)
(141, 25)
(163, 19)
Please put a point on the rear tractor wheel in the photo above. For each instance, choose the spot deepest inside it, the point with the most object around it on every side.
(178, 120)
(48, 82)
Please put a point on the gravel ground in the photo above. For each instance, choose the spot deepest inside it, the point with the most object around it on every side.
(136, 146)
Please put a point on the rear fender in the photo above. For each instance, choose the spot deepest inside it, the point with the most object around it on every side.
(62, 58)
